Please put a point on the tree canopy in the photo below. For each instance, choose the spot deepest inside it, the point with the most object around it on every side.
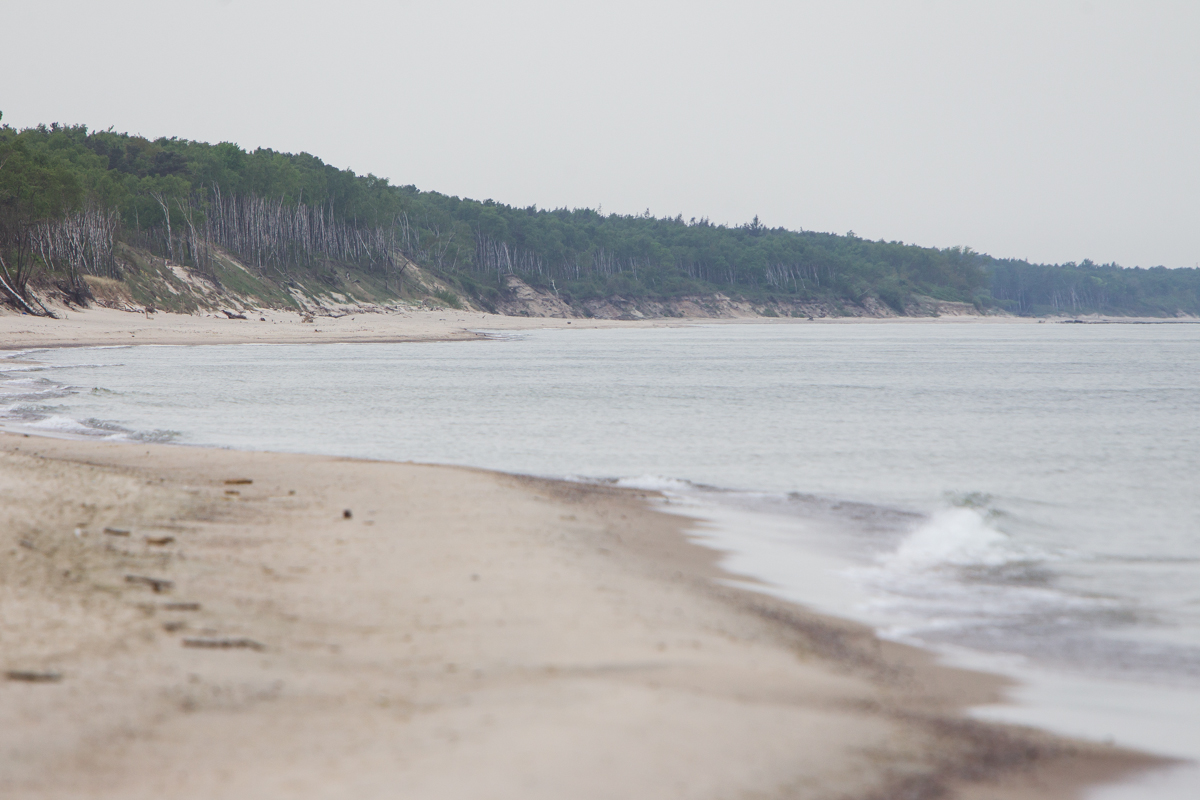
(282, 212)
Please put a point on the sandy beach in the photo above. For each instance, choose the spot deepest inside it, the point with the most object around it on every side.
(108, 327)
(185, 622)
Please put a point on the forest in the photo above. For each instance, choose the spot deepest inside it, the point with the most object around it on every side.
(70, 198)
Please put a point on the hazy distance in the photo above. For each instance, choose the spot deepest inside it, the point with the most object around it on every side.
(1049, 131)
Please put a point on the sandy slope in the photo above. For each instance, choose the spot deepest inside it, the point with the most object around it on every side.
(463, 634)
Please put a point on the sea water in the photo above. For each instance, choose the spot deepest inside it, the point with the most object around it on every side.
(1021, 497)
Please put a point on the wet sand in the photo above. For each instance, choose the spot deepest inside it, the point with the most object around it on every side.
(199, 623)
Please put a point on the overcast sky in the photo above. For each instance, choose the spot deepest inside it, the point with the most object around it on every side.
(1054, 131)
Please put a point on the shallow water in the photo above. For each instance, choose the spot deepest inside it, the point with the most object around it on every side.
(1025, 491)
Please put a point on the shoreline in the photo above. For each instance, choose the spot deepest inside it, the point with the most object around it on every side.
(944, 691)
(607, 640)
(103, 327)
(1134, 715)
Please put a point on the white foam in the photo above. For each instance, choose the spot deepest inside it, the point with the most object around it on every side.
(60, 424)
(925, 587)
(38, 385)
(960, 537)
(774, 551)
(655, 483)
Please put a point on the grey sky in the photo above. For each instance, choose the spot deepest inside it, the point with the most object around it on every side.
(1054, 131)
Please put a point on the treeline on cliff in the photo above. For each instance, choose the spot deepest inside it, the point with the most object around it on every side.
(68, 196)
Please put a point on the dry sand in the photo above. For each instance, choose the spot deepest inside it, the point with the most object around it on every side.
(462, 634)
(106, 327)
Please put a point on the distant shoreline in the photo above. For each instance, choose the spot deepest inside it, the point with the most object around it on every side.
(103, 327)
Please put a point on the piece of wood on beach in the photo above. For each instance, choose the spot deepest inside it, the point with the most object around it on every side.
(159, 585)
(160, 540)
(224, 644)
(32, 676)
(181, 606)
(116, 531)
(238, 482)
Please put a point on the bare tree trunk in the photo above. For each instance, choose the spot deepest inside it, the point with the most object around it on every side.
(166, 215)
(15, 288)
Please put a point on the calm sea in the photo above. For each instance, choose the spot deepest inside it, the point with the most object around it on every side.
(1021, 497)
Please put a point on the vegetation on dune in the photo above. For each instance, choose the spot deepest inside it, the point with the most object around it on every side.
(1035, 289)
(77, 203)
